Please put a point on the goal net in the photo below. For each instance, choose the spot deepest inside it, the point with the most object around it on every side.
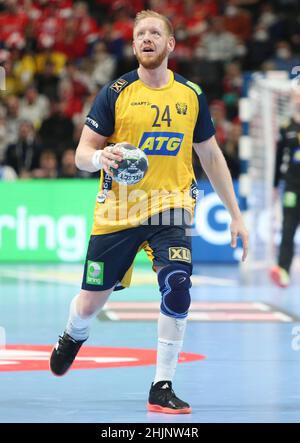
(269, 108)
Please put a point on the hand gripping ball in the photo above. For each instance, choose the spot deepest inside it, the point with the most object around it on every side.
(132, 168)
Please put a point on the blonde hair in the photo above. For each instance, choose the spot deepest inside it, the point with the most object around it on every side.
(149, 13)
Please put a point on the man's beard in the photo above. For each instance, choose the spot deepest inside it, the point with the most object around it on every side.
(153, 62)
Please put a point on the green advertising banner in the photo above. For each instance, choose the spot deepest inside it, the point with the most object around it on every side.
(47, 220)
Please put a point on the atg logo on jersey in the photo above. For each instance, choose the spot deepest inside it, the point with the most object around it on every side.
(161, 143)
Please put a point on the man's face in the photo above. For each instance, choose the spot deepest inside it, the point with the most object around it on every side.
(151, 42)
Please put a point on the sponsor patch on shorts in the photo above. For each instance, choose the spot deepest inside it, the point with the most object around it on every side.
(290, 199)
(180, 254)
(94, 273)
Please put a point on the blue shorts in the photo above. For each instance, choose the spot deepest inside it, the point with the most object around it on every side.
(109, 260)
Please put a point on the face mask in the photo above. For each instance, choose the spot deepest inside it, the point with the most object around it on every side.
(200, 52)
(283, 53)
(261, 36)
(181, 34)
(231, 11)
(268, 18)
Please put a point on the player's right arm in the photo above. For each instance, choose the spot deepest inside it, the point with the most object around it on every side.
(92, 153)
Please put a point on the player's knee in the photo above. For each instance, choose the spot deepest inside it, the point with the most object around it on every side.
(174, 284)
(88, 302)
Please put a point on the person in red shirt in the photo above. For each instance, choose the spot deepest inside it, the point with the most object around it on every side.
(13, 20)
(86, 25)
(69, 41)
(72, 105)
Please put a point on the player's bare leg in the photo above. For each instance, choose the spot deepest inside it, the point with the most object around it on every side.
(83, 309)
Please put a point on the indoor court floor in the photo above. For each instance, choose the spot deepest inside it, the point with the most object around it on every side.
(240, 361)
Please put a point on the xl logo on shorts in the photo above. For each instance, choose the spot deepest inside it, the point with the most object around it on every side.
(161, 143)
(94, 273)
(182, 254)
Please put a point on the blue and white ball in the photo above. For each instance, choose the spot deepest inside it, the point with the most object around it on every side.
(132, 168)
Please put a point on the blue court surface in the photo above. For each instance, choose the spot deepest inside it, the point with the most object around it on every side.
(240, 361)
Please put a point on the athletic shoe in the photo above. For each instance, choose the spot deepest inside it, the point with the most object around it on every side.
(64, 353)
(280, 276)
(162, 398)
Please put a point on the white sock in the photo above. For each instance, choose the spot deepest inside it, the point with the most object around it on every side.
(170, 340)
(78, 327)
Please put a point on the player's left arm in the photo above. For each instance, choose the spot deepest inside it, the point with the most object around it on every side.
(215, 166)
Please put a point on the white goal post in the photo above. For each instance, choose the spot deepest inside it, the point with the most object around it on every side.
(263, 109)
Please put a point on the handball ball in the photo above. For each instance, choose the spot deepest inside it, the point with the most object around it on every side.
(132, 168)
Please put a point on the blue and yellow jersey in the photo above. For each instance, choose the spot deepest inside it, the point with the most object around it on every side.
(164, 123)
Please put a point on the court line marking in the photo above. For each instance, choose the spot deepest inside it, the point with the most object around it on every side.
(139, 278)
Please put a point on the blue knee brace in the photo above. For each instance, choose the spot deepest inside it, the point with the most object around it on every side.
(174, 284)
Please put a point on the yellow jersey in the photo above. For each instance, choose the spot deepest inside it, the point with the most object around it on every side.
(163, 122)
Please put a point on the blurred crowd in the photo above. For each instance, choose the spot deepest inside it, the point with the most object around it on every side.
(57, 55)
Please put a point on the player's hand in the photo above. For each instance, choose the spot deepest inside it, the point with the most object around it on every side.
(238, 229)
(110, 155)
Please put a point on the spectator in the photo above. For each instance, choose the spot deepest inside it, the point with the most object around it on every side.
(219, 44)
(87, 106)
(69, 41)
(57, 130)
(222, 125)
(237, 21)
(34, 106)
(86, 25)
(7, 173)
(260, 48)
(50, 22)
(47, 167)
(23, 155)
(113, 39)
(47, 81)
(46, 53)
(123, 23)
(68, 168)
(71, 104)
(104, 65)
(13, 85)
(12, 118)
(12, 20)
(24, 67)
(232, 84)
(284, 59)
(3, 134)
(80, 80)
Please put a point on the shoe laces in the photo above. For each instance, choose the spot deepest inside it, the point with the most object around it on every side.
(166, 394)
(67, 346)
